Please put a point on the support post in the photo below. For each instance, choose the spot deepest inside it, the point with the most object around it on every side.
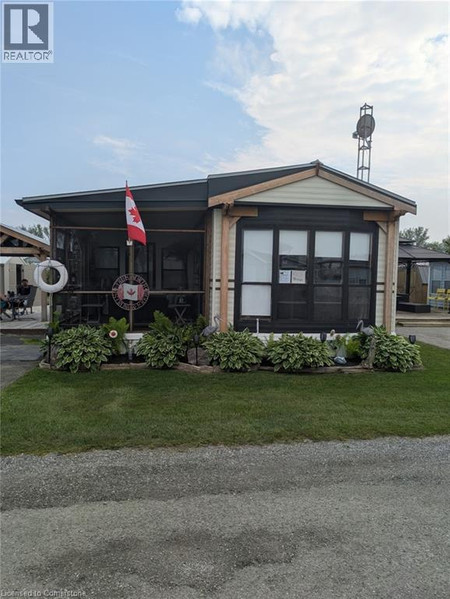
(224, 254)
(44, 297)
(389, 275)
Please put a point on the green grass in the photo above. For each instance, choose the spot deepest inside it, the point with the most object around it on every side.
(31, 341)
(59, 412)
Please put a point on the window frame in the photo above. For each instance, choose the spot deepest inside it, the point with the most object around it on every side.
(306, 324)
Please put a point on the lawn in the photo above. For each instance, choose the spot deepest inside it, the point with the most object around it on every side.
(59, 412)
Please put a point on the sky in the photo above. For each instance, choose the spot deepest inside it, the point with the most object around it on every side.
(163, 91)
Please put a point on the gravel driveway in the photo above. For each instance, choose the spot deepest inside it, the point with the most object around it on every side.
(332, 520)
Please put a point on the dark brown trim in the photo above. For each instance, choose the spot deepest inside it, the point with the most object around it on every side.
(297, 222)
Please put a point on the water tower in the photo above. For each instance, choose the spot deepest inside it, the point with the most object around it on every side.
(364, 129)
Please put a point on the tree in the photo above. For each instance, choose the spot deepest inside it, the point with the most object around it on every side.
(417, 234)
(420, 237)
(38, 230)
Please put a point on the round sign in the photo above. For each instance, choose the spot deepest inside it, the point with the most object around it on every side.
(130, 292)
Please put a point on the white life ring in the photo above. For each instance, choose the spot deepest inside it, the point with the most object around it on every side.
(63, 276)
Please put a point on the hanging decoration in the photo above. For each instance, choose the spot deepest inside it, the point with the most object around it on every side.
(130, 291)
(47, 287)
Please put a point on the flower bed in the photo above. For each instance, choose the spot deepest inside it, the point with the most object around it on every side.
(167, 345)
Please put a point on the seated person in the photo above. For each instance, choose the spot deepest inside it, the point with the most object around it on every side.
(23, 290)
(4, 304)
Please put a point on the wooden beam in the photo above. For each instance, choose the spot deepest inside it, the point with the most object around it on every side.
(243, 211)
(21, 252)
(4, 237)
(125, 228)
(224, 267)
(382, 216)
(388, 304)
(207, 265)
(371, 193)
(24, 237)
(44, 296)
(238, 194)
(379, 216)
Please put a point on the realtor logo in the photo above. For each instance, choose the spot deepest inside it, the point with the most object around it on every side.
(27, 32)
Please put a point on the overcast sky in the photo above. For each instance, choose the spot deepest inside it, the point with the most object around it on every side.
(159, 91)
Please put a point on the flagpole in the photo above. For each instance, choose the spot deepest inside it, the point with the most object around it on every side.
(130, 245)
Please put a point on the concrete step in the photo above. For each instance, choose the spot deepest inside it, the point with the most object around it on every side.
(441, 322)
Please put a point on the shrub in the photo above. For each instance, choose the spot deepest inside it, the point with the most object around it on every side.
(392, 352)
(353, 347)
(161, 349)
(120, 327)
(344, 345)
(292, 353)
(81, 348)
(234, 351)
(164, 345)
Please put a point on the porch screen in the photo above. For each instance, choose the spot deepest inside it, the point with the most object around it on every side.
(257, 273)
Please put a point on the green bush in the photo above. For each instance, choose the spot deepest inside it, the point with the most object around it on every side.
(121, 326)
(234, 351)
(392, 352)
(161, 349)
(292, 353)
(164, 345)
(344, 345)
(81, 348)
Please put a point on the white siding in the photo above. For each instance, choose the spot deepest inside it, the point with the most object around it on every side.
(380, 276)
(314, 190)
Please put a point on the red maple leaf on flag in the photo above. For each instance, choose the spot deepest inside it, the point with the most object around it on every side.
(135, 214)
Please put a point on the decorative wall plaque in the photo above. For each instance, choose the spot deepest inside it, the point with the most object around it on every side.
(130, 292)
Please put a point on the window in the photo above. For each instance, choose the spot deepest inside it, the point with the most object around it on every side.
(256, 288)
(306, 278)
(328, 258)
(291, 293)
(359, 276)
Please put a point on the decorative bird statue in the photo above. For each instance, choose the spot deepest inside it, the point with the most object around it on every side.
(211, 328)
(364, 330)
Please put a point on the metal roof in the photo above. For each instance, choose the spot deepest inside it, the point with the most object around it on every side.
(414, 253)
(182, 193)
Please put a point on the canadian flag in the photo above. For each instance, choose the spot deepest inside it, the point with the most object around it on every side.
(135, 226)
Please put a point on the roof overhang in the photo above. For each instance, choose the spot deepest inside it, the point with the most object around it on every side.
(390, 200)
(27, 245)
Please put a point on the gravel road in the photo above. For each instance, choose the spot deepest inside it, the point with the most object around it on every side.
(353, 520)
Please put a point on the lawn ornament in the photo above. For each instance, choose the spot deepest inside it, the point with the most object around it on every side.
(368, 331)
(211, 328)
(340, 360)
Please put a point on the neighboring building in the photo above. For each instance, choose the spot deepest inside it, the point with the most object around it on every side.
(12, 271)
(18, 249)
(421, 272)
(300, 248)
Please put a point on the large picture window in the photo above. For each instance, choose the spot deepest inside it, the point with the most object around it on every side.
(298, 277)
(256, 288)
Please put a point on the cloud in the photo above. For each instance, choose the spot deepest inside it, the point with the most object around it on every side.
(301, 70)
(119, 155)
(121, 148)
